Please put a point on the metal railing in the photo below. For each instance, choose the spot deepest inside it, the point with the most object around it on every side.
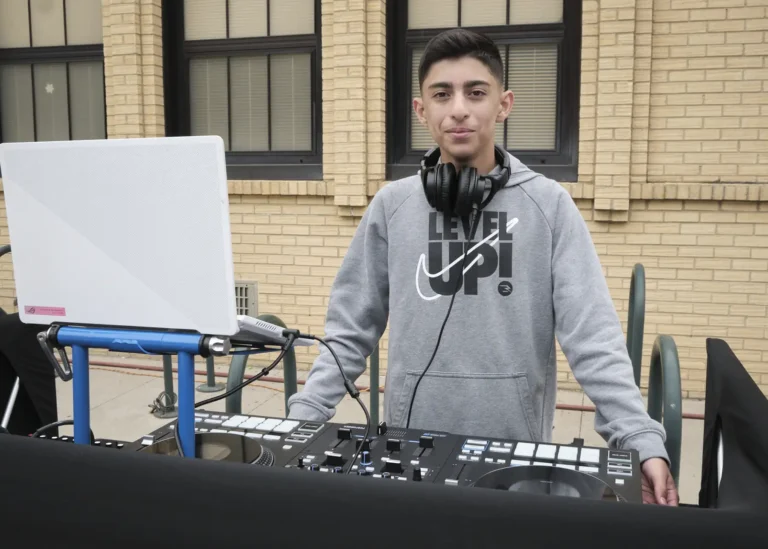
(636, 320)
(665, 397)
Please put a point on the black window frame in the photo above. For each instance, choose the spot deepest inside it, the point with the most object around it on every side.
(562, 164)
(249, 165)
(53, 54)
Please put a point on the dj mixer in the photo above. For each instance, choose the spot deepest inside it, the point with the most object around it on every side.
(408, 455)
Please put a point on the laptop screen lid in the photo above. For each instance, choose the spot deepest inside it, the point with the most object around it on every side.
(122, 233)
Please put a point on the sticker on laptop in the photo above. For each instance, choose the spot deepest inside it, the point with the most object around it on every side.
(45, 311)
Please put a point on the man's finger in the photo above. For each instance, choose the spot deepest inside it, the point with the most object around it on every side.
(672, 495)
(659, 488)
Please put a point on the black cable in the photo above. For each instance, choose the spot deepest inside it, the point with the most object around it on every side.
(459, 278)
(290, 338)
(354, 393)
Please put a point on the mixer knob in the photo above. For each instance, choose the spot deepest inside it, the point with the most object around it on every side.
(365, 458)
(365, 443)
(393, 466)
(426, 441)
(417, 474)
(333, 459)
(337, 469)
(314, 467)
(344, 433)
(385, 475)
(393, 445)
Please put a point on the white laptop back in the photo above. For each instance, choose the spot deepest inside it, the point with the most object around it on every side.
(122, 232)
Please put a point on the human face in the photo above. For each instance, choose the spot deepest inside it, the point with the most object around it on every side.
(461, 104)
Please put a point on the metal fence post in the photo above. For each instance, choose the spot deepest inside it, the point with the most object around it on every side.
(665, 397)
(636, 320)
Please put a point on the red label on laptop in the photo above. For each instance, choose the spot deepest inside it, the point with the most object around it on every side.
(45, 311)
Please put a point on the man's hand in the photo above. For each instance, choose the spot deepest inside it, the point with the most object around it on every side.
(658, 484)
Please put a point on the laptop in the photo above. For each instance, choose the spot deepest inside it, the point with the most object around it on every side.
(125, 233)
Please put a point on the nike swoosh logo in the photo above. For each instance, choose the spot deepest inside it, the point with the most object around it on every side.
(422, 264)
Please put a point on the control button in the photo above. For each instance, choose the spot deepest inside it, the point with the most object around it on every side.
(525, 449)
(500, 450)
(568, 453)
(474, 458)
(268, 425)
(377, 475)
(234, 421)
(619, 455)
(286, 426)
(393, 445)
(198, 419)
(213, 421)
(470, 447)
(298, 434)
(271, 437)
(518, 462)
(337, 469)
(400, 478)
(366, 444)
(344, 433)
(393, 466)
(222, 431)
(426, 441)
(590, 455)
(291, 439)
(202, 414)
(588, 469)
(622, 472)
(463, 457)
(314, 467)
(147, 440)
(482, 443)
(333, 459)
(120, 445)
(287, 447)
(614, 465)
(546, 451)
(619, 481)
(386, 475)
(544, 463)
(254, 435)
(495, 443)
(489, 460)
(415, 462)
(251, 423)
(566, 466)
(507, 445)
(313, 427)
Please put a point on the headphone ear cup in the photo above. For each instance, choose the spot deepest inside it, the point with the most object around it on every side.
(465, 196)
(446, 187)
(428, 181)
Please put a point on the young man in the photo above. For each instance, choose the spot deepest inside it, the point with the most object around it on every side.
(531, 275)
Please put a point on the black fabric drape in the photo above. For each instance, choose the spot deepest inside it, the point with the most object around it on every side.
(736, 404)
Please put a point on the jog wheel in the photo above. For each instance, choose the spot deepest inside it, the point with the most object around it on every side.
(218, 447)
(549, 481)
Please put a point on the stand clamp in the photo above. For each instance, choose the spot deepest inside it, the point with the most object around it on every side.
(49, 343)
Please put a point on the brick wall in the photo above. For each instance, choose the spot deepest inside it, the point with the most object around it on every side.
(673, 165)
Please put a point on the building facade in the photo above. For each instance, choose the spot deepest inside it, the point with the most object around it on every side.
(653, 114)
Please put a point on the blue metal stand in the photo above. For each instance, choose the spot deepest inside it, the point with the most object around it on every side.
(185, 345)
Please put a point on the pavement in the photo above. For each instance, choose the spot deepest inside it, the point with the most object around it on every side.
(121, 401)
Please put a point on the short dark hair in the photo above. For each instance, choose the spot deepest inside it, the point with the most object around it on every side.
(456, 43)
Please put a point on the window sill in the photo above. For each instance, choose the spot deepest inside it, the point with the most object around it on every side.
(275, 172)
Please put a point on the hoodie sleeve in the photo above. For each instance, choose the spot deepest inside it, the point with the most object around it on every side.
(357, 315)
(590, 334)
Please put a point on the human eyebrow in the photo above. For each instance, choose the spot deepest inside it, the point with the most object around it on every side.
(475, 83)
(441, 86)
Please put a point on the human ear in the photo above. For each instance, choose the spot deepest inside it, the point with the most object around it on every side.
(418, 108)
(505, 105)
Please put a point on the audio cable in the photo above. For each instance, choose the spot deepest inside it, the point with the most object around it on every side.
(459, 278)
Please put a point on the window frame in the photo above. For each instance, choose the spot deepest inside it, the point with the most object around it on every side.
(560, 164)
(249, 165)
(35, 55)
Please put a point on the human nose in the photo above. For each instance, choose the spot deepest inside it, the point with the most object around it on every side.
(459, 109)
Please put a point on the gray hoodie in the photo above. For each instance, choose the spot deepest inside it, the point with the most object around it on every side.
(532, 275)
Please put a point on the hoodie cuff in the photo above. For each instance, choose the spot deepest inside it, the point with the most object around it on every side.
(305, 412)
(649, 444)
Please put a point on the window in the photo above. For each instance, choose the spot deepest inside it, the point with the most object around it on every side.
(51, 70)
(540, 43)
(248, 71)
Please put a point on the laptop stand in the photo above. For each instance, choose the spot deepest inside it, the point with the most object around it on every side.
(185, 345)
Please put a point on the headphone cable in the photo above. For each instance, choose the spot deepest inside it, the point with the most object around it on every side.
(459, 279)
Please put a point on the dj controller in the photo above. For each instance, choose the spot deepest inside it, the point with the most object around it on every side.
(408, 455)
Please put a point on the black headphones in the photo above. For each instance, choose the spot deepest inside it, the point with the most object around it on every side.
(458, 194)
